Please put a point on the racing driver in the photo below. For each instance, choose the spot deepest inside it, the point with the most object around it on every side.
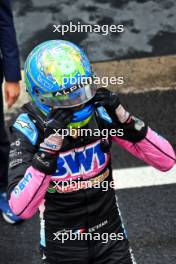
(41, 159)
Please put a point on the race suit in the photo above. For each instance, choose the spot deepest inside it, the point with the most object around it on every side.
(75, 210)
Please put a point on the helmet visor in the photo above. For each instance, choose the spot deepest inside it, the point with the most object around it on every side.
(71, 97)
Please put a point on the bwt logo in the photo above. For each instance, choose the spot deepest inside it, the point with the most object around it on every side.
(22, 184)
(86, 160)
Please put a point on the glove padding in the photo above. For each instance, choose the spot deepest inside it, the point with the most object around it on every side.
(134, 129)
(45, 160)
(52, 135)
(106, 98)
(57, 120)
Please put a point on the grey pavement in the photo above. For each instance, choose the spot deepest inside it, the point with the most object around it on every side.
(150, 26)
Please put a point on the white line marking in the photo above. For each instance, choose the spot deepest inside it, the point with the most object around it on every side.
(142, 176)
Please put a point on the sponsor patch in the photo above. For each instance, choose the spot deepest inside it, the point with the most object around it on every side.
(80, 162)
(22, 184)
(15, 162)
(122, 114)
(26, 127)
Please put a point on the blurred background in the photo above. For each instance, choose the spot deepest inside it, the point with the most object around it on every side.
(150, 26)
(145, 55)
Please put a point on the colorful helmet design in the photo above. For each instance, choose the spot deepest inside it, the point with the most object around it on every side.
(58, 74)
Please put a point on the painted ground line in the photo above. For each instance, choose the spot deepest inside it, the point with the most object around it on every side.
(142, 176)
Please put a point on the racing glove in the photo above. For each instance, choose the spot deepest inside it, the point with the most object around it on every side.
(134, 129)
(45, 160)
(106, 98)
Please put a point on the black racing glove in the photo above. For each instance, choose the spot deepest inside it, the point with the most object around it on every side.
(106, 98)
(134, 129)
(58, 120)
(45, 160)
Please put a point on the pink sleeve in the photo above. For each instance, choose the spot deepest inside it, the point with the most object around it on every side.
(29, 193)
(154, 150)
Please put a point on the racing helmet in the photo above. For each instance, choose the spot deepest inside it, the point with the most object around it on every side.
(58, 74)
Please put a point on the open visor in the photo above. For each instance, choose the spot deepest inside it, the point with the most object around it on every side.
(70, 97)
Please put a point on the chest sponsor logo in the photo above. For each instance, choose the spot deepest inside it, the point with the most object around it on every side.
(81, 161)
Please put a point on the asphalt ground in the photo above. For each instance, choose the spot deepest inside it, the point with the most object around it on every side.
(150, 26)
(148, 212)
